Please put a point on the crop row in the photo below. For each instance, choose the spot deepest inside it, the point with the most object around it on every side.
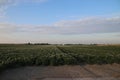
(32, 55)
(93, 55)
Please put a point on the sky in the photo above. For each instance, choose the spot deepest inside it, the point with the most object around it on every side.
(60, 21)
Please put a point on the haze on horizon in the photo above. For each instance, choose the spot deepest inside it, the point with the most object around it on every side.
(60, 21)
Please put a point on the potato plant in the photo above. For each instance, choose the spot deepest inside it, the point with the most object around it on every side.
(35, 55)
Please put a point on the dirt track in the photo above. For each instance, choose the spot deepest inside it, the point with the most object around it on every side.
(84, 72)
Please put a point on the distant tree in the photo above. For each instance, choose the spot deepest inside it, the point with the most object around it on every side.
(28, 43)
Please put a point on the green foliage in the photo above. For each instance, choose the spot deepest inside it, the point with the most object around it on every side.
(30, 55)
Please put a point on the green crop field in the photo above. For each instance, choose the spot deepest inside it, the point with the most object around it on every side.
(31, 55)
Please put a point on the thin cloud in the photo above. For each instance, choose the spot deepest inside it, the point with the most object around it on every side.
(82, 26)
(91, 25)
(5, 4)
(7, 28)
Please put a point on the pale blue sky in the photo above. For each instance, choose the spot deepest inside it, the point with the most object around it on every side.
(52, 11)
(60, 21)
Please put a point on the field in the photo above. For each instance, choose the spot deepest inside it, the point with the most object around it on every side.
(16, 55)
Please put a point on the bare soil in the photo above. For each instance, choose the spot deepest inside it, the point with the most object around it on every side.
(78, 72)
